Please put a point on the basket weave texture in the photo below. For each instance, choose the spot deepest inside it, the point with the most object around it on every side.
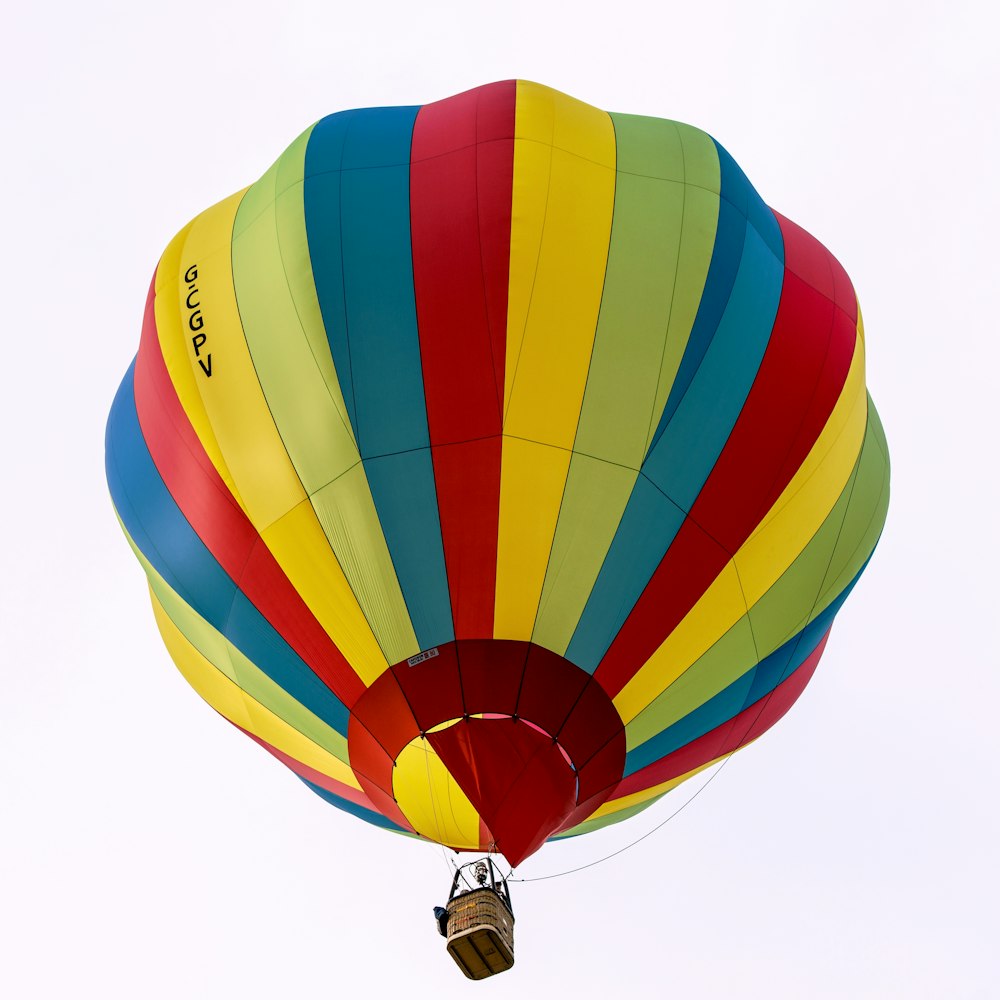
(478, 907)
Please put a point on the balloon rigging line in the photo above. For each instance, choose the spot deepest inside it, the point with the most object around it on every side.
(648, 833)
(743, 742)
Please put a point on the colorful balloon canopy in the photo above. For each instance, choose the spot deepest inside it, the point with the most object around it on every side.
(500, 463)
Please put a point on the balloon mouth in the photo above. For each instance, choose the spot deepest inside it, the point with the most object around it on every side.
(486, 744)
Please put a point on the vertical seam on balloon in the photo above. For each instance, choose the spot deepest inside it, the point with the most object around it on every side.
(653, 416)
(729, 295)
(793, 439)
(798, 639)
(686, 509)
(482, 261)
(310, 495)
(244, 694)
(155, 389)
(849, 488)
(583, 396)
(524, 670)
(236, 580)
(347, 341)
(708, 345)
(353, 407)
(294, 300)
(288, 456)
(534, 273)
(851, 479)
(237, 589)
(423, 392)
(874, 442)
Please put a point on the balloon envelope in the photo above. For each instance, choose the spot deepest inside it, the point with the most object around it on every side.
(497, 464)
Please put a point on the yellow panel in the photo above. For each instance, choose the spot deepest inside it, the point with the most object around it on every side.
(531, 489)
(564, 157)
(348, 518)
(231, 402)
(305, 555)
(810, 496)
(557, 262)
(302, 392)
(431, 800)
(229, 700)
(225, 657)
(175, 346)
(775, 543)
(704, 623)
(234, 402)
(655, 791)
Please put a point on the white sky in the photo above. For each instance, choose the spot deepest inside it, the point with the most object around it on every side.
(147, 849)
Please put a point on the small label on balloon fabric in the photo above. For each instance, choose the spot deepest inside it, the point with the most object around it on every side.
(427, 654)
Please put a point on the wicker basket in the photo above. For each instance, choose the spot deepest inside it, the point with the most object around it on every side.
(480, 933)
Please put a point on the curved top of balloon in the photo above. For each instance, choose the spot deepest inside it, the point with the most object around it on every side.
(497, 464)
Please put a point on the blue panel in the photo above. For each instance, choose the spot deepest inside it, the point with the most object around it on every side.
(357, 206)
(321, 198)
(740, 302)
(646, 529)
(739, 204)
(691, 443)
(369, 815)
(168, 541)
(755, 684)
(407, 509)
(378, 283)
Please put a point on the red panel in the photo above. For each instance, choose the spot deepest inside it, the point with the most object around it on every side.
(491, 674)
(461, 178)
(220, 523)
(467, 477)
(797, 386)
(603, 771)
(593, 722)
(385, 803)
(521, 781)
(731, 735)
(515, 777)
(550, 689)
(311, 774)
(385, 713)
(692, 562)
(814, 264)
(432, 688)
(369, 760)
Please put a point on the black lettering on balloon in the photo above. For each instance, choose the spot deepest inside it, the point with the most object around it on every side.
(196, 320)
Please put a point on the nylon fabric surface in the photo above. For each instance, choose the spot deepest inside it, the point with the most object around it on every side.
(498, 464)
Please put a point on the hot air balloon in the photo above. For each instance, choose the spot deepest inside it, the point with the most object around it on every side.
(498, 464)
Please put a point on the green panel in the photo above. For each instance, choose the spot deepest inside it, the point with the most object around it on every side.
(662, 235)
(347, 515)
(291, 353)
(590, 825)
(284, 329)
(835, 554)
(596, 494)
(722, 663)
(703, 180)
(635, 309)
(791, 602)
(865, 513)
(226, 658)
(290, 221)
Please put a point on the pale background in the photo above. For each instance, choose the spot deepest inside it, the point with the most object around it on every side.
(150, 850)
